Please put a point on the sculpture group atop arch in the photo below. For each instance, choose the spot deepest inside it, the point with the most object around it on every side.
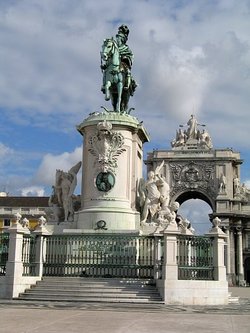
(192, 136)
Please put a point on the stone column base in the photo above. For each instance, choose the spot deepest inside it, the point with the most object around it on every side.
(107, 219)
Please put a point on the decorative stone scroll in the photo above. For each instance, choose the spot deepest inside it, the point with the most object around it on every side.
(106, 145)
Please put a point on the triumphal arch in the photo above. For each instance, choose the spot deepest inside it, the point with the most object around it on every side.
(194, 169)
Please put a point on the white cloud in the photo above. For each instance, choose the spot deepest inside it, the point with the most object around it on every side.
(50, 163)
(5, 153)
(33, 191)
(46, 61)
(180, 81)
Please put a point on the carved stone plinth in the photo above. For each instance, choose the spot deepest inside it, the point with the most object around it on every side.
(112, 166)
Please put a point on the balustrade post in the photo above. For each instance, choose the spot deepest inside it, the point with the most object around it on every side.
(170, 265)
(157, 258)
(40, 233)
(218, 250)
(167, 284)
(14, 265)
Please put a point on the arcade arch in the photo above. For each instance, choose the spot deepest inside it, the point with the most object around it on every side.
(188, 195)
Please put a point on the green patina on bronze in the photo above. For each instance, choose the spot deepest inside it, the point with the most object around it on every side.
(116, 63)
(105, 181)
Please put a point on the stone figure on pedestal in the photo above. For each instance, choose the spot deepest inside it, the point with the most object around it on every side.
(236, 184)
(223, 183)
(181, 137)
(205, 139)
(116, 63)
(192, 128)
(192, 132)
(54, 205)
(240, 190)
(61, 200)
(154, 195)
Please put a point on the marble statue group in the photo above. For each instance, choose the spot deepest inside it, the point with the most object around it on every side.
(192, 135)
(154, 202)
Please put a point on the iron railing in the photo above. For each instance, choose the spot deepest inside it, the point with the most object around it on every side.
(28, 255)
(195, 258)
(4, 250)
(99, 256)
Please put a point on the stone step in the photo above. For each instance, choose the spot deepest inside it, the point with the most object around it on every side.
(93, 299)
(88, 281)
(126, 293)
(88, 294)
(233, 299)
(92, 290)
(96, 284)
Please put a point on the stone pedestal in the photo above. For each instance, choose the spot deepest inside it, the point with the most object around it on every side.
(111, 167)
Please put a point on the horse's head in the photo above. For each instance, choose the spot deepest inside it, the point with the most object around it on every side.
(108, 48)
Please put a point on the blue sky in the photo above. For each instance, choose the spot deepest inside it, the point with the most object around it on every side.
(190, 57)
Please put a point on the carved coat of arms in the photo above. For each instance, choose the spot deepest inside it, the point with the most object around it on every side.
(106, 145)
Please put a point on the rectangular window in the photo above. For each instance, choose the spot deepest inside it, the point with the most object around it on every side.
(6, 222)
(7, 209)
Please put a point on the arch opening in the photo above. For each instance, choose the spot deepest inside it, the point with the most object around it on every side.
(193, 195)
(197, 212)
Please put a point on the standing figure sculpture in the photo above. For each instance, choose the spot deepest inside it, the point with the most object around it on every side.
(223, 183)
(63, 191)
(192, 128)
(116, 63)
(152, 197)
(153, 194)
(192, 131)
(54, 205)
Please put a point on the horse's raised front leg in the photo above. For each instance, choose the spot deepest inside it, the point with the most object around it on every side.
(107, 90)
(119, 96)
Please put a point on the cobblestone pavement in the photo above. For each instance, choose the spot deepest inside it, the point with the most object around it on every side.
(242, 308)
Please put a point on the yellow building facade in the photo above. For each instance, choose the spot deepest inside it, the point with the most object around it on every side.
(29, 207)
